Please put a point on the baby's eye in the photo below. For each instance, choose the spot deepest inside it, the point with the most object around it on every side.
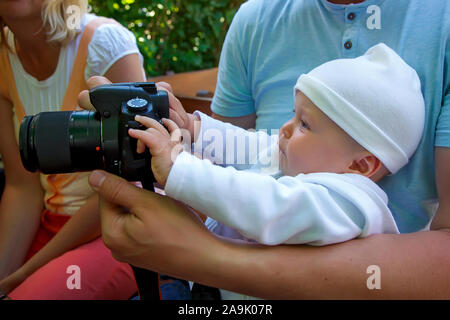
(304, 125)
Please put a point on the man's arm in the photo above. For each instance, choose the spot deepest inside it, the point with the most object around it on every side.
(441, 220)
(164, 236)
(412, 266)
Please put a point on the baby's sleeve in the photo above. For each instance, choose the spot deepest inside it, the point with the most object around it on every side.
(109, 43)
(291, 210)
(228, 145)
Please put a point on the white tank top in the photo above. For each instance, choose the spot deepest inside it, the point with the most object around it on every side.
(109, 43)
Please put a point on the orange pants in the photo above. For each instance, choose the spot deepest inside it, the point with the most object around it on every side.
(85, 273)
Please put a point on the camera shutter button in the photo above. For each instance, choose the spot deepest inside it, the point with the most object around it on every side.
(137, 104)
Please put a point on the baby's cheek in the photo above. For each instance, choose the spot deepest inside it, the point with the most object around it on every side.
(296, 163)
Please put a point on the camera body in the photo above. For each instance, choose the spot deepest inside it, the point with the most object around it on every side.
(71, 141)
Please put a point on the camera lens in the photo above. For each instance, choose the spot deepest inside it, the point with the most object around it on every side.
(26, 145)
(61, 142)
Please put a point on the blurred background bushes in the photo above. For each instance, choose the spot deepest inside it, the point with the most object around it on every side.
(173, 35)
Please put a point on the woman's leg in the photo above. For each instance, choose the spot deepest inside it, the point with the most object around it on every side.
(88, 272)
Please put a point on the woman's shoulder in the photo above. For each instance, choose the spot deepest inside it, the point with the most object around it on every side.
(107, 25)
(107, 32)
(110, 42)
(109, 36)
(86, 19)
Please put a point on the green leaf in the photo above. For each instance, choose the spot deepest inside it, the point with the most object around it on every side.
(192, 33)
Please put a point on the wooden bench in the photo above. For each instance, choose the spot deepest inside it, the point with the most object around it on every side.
(194, 89)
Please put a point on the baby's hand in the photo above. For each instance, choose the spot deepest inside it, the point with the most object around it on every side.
(164, 146)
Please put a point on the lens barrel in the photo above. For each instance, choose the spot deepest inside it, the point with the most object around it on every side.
(61, 142)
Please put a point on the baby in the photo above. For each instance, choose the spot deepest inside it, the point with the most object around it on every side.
(356, 120)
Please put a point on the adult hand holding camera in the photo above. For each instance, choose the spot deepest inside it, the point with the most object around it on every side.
(149, 230)
(164, 145)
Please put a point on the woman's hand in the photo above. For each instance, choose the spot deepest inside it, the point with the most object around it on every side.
(12, 281)
(164, 146)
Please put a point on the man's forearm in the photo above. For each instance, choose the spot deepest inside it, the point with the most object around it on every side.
(411, 266)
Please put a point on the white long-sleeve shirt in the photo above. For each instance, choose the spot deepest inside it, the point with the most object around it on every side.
(315, 209)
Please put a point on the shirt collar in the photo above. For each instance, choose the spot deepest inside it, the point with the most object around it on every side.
(355, 6)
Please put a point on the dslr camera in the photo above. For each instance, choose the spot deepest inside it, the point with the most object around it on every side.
(71, 141)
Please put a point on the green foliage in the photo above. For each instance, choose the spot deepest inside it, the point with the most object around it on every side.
(173, 35)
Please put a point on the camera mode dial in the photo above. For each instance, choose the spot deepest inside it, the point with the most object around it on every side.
(137, 104)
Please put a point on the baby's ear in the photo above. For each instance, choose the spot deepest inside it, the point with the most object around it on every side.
(367, 166)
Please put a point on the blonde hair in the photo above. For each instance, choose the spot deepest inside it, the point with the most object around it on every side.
(55, 20)
(3, 41)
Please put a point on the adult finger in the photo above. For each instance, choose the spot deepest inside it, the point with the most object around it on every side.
(112, 223)
(114, 189)
(97, 81)
(84, 100)
(164, 86)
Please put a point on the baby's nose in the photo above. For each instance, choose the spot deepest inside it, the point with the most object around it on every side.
(285, 131)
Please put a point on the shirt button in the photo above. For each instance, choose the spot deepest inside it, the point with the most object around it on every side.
(348, 44)
(351, 16)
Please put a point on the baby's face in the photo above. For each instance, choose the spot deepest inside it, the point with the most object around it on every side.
(312, 142)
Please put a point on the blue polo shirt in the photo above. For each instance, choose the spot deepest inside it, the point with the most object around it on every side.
(271, 42)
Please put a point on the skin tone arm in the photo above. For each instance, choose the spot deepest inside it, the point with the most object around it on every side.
(442, 218)
(84, 226)
(19, 219)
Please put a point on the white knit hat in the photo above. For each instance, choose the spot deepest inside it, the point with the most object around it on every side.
(375, 98)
